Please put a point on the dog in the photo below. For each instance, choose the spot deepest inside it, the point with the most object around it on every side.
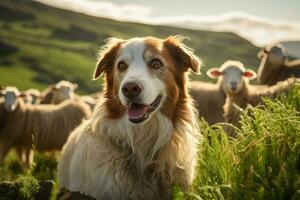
(143, 137)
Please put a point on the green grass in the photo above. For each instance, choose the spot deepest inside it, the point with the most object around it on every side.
(48, 38)
(262, 162)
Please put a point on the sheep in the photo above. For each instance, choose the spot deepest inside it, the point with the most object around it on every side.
(31, 96)
(47, 127)
(239, 93)
(275, 66)
(209, 97)
(58, 93)
(89, 100)
(209, 100)
(62, 91)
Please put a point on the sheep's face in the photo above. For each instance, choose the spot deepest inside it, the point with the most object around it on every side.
(232, 77)
(64, 90)
(275, 55)
(27, 98)
(10, 98)
(232, 80)
(35, 98)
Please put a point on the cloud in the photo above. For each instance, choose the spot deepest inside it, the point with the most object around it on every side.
(102, 8)
(258, 30)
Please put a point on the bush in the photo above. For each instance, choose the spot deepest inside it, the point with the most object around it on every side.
(27, 186)
(44, 167)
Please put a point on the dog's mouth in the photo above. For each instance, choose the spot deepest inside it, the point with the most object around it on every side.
(138, 113)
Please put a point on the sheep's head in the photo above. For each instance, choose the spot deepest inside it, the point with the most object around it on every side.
(64, 90)
(27, 98)
(232, 75)
(274, 55)
(35, 95)
(11, 100)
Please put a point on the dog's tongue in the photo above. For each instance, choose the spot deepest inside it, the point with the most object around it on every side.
(137, 110)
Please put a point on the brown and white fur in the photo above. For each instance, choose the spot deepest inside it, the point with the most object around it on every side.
(119, 155)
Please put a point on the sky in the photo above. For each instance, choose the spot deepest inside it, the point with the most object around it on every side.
(260, 21)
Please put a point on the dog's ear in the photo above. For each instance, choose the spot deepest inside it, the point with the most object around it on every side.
(107, 56)
(182, 54)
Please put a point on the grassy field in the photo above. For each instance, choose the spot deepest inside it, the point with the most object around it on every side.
(41, 44)
(263, 162)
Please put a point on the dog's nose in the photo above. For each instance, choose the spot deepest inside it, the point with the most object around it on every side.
(131, 89)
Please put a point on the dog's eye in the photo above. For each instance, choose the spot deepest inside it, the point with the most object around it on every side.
(155, 63)
(122, 66)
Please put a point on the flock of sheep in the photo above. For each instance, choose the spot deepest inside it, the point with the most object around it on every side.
(222, 102)
(43, 120)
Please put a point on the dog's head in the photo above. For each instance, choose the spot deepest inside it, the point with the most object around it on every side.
(144, 75)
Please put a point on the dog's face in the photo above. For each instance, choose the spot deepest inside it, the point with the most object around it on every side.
(144, 75)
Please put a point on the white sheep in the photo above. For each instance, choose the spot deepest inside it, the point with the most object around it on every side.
(209, 100)
(47, 127)
(239, 93)
(209, 97)
(275, 66)
(64, 90)
(58, 93)
(31, 96)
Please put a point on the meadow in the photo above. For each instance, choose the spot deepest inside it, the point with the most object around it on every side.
(262, 162)
(38, 48)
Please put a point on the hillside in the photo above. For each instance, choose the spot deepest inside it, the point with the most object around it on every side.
(40, 45)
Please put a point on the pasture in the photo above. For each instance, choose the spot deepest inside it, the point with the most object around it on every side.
(39, 49)
(261, 163)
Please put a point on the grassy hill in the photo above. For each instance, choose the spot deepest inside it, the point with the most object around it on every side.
(40, 44)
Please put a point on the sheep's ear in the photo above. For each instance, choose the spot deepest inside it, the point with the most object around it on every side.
(22, 95)
(182, 54)
(53, 87)
(214, 73)
(75, 86)
(107, 56)
(250, 74)
(262, 52)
